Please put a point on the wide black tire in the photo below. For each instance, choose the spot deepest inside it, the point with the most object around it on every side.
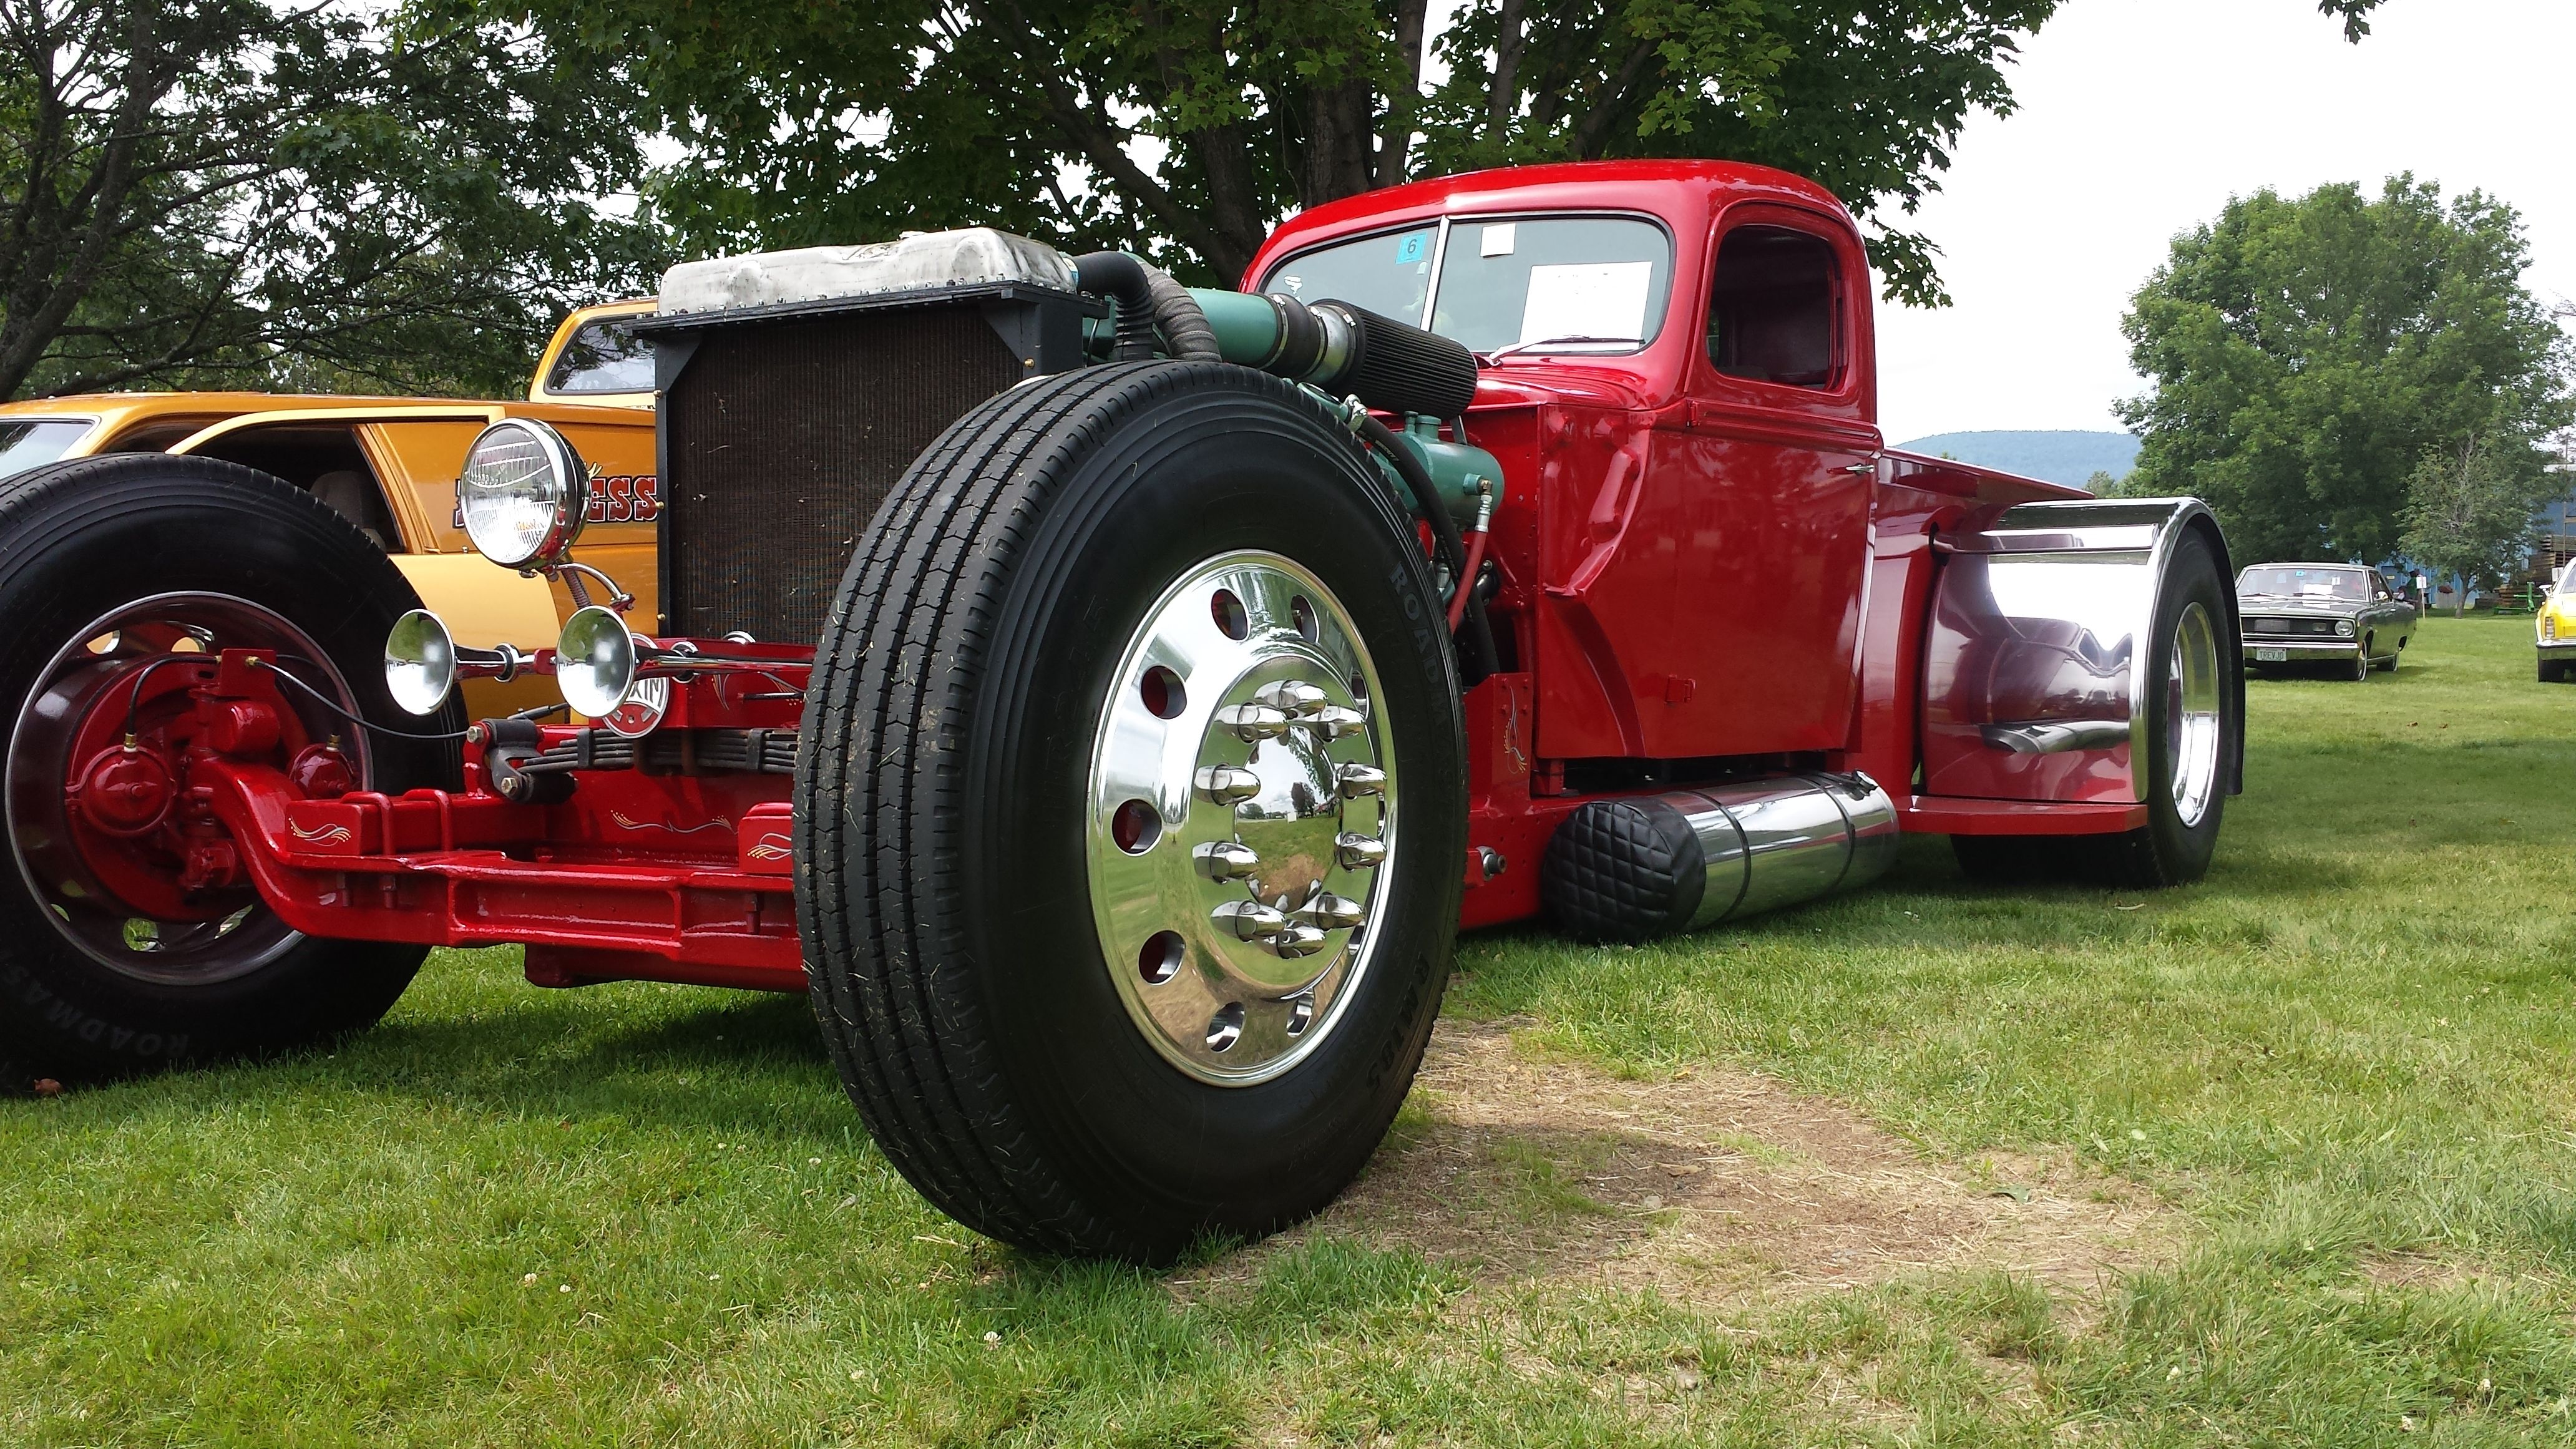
(82, 539)
(2168, 850)
(2361, 664)
(942, 811)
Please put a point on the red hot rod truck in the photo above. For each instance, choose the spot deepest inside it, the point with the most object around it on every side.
(1109, 699)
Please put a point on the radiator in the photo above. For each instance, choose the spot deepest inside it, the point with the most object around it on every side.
(783, 431)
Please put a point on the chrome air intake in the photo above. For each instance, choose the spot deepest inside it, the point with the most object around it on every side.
(1642, 866)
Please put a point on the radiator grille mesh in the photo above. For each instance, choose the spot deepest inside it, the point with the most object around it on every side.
(784, 438)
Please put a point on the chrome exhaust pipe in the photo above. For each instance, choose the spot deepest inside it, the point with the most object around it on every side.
(1637, 867)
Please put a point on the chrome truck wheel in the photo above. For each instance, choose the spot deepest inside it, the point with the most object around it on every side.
(2195, 727)
(130, 933)
(1132, 811)
(1241, 806)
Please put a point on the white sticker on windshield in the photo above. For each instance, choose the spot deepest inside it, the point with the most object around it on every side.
(1496, 239)
(1587, 299)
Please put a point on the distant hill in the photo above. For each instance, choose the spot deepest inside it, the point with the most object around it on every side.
(2058, 457)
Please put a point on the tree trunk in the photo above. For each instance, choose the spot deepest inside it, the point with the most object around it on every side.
(1394, 160)
(1338, 137)
(1505, 101)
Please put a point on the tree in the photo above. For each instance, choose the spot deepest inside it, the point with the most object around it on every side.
(1186, 129)
(2469, 512)
(2305, 355)
(246, 191)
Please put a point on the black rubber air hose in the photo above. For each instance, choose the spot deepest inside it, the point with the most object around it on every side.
(1184, 326)
(1121, 278)
(1147, 298)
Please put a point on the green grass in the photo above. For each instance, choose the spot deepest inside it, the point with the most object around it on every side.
(640, 1214)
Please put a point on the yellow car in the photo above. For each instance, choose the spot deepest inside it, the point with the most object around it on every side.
(389, 465)
(2555, 630)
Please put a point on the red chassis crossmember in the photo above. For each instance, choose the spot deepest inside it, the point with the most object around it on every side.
(667, 874)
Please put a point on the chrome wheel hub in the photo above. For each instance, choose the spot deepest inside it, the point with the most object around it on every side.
(2191, 714)
(1243, 800)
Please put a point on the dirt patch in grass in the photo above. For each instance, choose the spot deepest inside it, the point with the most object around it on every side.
(1716, 1185)
(2419, 1272)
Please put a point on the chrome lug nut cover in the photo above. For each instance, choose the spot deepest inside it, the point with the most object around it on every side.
(1269, 773)
(1296, 941)
(1252, 723)
(1336, 721)
(1227, 785)
(1225, 860)
(1293, 697)
(1329, 912)
(1359, 852)
(1356, 780)
(1248, 920)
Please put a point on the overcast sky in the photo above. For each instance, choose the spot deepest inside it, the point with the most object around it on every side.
(2139, 118)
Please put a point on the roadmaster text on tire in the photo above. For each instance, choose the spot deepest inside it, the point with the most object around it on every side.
(2195, 707)
(122, 578)
(1131, 812)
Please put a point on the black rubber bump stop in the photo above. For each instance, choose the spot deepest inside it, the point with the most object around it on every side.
(1623, 870)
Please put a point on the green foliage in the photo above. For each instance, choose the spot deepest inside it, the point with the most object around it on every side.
(2306, 354)
(1185, 129)
(230, 191)
(843, 121)
(2469, 514)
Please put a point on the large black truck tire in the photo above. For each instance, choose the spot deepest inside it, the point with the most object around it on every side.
(2195, 708)
(120, 578)
(1130, 812)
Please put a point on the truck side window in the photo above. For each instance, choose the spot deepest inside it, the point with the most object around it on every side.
(1771, 308)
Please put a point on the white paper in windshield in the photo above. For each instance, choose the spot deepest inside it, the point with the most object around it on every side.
(1587, 299)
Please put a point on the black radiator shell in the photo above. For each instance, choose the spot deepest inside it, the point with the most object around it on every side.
(780, 430)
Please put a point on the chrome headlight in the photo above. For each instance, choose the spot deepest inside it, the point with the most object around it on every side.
(522, 493)
(2343, 628)
(420, 662)
(595, 661)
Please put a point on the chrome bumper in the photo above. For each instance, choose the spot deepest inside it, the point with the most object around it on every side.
(2304, 648)
(2558, 649)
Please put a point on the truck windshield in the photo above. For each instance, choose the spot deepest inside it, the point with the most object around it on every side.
(2274, 582)
(603, 356)
(1560, 284)
(26, 443)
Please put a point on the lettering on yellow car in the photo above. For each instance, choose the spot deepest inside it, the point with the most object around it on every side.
(614, 498)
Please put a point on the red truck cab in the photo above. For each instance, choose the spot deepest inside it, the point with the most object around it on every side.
(1708, 554)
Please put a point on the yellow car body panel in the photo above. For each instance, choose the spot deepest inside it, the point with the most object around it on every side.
(2554, 629)
(390, 466)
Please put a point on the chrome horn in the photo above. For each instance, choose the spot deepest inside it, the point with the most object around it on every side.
(423, 662)
(596, 658)
(599, 662)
